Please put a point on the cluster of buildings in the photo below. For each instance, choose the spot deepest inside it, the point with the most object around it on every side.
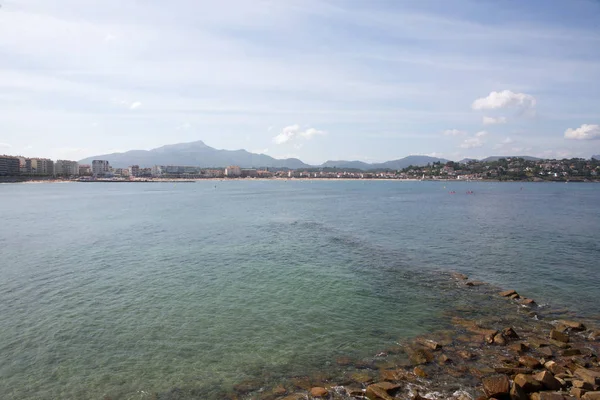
(42, 167)
(503, 169)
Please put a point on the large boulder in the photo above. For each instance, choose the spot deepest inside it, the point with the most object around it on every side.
(591, 396)
(588, 375)
(497, 386)
(528, 383)
(548, 380)
(573, 325)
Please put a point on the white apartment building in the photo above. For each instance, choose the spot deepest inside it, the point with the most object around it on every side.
(100, 168)
(66, 168)
(233, 171)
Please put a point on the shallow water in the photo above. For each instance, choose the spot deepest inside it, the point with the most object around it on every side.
(127, 290)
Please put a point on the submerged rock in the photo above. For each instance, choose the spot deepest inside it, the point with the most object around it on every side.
(319, 392)
(559, 336)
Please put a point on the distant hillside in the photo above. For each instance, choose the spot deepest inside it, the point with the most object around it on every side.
(467, 160)
(496, 158)
(195, 154)
(393, 165)
(596, 157)
(346, 164)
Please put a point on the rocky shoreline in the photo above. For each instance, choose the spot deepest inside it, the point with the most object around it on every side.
(520, 351)
(497, 345)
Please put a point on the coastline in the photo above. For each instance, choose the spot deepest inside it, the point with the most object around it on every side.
(509, 347)
(194, 180)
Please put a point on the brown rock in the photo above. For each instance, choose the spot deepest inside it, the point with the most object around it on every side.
(433, 345)
(499, 339)
(464, 354)
(594, 335)
(545, 351)
(459, 276)
(496, 386)
(514, 296)
(381, 391)
(548, 380)
(571, 352)
(510, 333)
(418, 371)
(527, 302)
(361, 377)
(319, 392)
(573, 325)
(519, 347)
(529, 362)
(279, 390)
(547, 396)
(516, 393)
(421, 356)
(559, 336)
(354, 391)
(527, 383)
(591, 396)
(444, 359)
(560, 345)
(583, 385)
(578, 392)
(588, 375)
(507, 293)
(554, 368)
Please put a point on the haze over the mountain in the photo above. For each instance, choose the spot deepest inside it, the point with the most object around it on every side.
(200, 155)
(597, 157)
(196, 154)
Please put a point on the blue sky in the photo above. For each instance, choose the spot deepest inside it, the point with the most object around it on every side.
(328, 79)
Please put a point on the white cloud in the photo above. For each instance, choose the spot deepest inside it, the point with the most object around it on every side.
(5, 146)
(504, 99)
(507, 141)
(494, 121)
(454, 132)
(584, 132)
(293, 131)
(134, 105)
(481, 134)
(472, 143)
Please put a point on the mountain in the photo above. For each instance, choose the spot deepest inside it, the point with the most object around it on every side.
(346, 165)
(196, 154)
(596, 157)
(496, 158)
(467, 160)
(393, 165)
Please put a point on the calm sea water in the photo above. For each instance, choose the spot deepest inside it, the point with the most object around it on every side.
(126, 290)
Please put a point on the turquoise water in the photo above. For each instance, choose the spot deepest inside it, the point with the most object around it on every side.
(126, 290)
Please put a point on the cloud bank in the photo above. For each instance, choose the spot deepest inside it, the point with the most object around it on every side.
(292, 132)
(584, 132)
(504, 99)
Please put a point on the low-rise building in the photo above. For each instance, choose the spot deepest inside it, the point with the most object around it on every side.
(134, 170)
(9, 166)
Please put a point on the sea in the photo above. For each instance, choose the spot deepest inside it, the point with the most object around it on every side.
(167, 290)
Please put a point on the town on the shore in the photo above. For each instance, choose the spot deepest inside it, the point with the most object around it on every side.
(14, 168)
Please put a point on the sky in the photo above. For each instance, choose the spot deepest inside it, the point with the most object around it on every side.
(369, 80)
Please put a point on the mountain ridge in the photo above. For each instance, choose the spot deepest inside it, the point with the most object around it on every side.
(199, 154)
